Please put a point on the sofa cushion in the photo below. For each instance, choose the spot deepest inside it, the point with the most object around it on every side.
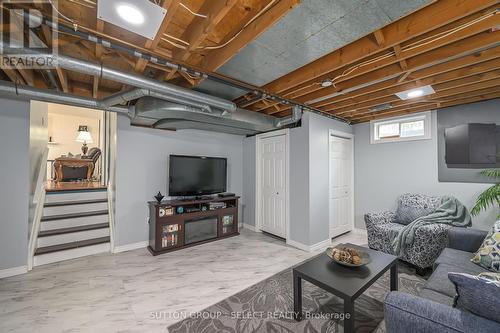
(413, 206)
(439, 281)
(459, 259)
(477, 295)
(436, 296)
(488, 255)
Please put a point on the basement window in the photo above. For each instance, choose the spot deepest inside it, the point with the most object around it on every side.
(407, 128)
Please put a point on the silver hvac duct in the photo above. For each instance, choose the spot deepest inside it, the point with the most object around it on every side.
(126, 96)
(161, 114)
(10, 90)
(158, 113)
(85, 67)
(293, 118)
(89, 68)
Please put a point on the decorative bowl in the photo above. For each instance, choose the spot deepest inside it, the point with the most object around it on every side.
(364, 256)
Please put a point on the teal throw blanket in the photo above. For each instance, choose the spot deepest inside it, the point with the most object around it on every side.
(450, 211)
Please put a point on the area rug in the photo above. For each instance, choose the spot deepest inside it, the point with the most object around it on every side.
(267, 307)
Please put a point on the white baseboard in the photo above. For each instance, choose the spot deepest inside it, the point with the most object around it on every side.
(250, 227)
(130, 247)
(320, 245)
(309, 248)
(297, 245)
(13, 271)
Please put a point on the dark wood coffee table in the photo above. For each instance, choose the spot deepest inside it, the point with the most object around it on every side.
(347, 283)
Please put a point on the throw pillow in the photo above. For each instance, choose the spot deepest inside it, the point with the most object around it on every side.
(490, 276)
(488, 255)
(413, 206)
(477, 295)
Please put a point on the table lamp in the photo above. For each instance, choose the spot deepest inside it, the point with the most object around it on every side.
(84, 137)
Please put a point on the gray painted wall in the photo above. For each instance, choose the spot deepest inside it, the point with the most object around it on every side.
(299, 183)
(319, 127)
(141, 170)
(248, 195)
(482, 112)
(384, 171)
(14, 189)
(309, 221)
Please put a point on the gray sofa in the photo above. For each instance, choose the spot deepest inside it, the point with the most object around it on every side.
(432, 310)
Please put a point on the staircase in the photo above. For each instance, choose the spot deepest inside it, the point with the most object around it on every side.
(74, 224)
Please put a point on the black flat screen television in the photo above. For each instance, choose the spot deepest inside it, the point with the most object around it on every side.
(196, 175)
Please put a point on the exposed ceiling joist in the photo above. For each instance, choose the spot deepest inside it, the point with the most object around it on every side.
(310, 90)
(140, 65)
(201, 27)
(214, 59)
(428, 18)
(477, 96)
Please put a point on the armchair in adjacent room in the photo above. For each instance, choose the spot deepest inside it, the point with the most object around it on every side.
(67, 168)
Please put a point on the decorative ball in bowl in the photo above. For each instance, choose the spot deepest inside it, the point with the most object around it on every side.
(348, 256)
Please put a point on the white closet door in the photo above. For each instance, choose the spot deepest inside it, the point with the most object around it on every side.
(272, 185)
(341, 219)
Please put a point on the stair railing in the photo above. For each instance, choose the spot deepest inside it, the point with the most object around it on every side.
(38, 202)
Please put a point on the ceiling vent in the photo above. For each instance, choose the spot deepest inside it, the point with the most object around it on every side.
(381, 107)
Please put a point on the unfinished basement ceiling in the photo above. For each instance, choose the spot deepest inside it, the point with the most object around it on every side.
(311, 30)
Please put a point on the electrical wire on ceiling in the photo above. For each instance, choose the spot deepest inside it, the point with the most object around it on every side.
(259, 14)
(192, 12)
(74, 22)
(417, 44)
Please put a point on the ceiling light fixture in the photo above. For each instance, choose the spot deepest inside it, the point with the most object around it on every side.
(416, 92)
(326, 83)
(142, 17)
(130, 14)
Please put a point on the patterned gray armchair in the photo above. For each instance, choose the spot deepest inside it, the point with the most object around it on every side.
(429, 240)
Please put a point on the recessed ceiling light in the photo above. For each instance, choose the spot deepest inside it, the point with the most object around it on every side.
(416, 92)
(326, 83)
(130, 14)
(142, 17)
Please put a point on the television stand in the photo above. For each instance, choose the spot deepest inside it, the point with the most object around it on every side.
(172, 228)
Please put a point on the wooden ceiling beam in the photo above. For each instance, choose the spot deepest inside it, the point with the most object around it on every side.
(379, 37)
(140, 65)
(311, 90)
(375, 96)
(462, 62)
(441, 55)
(471, 88)
(63, 79)
(201, 27)
(98, 54)
(216, 58)
(13, 75)
(439, 88)
(315, 91)
(426, 19)
(472, 98)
